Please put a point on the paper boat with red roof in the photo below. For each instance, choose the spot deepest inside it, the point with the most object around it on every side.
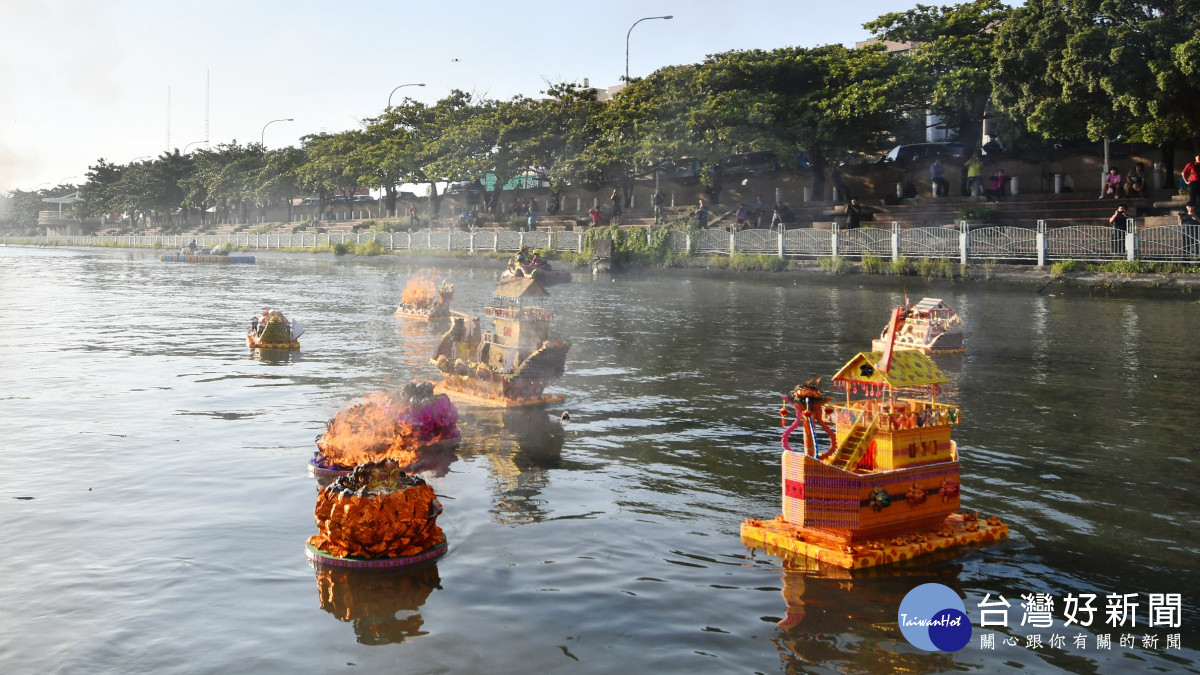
(887, 487)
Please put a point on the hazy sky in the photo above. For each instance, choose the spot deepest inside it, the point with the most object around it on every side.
(87, 79)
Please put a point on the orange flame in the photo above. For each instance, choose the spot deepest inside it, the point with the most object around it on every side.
(369, 431)
(423, 290)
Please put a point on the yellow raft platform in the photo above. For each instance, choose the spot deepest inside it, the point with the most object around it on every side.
(498, 402)
(957, 530)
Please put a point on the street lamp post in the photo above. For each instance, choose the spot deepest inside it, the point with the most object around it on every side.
(262, 137)
(411, 84)
(629, 32)
(185, 148)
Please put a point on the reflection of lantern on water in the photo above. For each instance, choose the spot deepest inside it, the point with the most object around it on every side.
(382, 604)
(418, 339)
(275, 356)
(521, 445)
(378, 516)
(405, 426)
(846, 619)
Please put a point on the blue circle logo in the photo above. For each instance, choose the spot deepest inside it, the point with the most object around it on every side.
(932, 617)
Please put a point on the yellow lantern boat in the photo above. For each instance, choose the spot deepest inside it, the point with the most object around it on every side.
(887, 488)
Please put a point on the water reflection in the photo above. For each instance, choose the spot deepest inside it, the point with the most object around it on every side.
(418, 340)
(848, 617)
(382, 604)
(276, 357)
(521, 446)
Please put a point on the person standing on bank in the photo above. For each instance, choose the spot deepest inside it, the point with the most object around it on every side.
(659, 199)
(839, 185)
(1191, 231)
(853, 215)
(616, 205)
(1191, 176)
(941, 187)
(974, 173)
(1120, 222)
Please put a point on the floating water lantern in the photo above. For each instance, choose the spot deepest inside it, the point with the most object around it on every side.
(378, 516)
(426, 296)
(415, 427)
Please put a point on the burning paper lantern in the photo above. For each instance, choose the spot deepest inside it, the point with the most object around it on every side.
(405, 426)
(378, 516)
(426, 296)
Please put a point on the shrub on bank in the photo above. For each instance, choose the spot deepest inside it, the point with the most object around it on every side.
(835, 265)
(872, 264)
(900, 267)
(936, 268)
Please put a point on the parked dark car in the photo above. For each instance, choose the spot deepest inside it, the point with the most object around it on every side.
(461, 188)
(905, 154)
(751, 162)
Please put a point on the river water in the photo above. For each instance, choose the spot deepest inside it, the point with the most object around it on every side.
(156, 499)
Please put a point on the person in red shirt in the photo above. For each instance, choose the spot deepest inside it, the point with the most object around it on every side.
(1191, 176)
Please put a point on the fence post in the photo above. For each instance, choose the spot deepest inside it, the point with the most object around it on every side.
(834, 239)
(780, 235)
(471, 246)
(1131, 241)
(895, 241)
(732, 243)
(495, 241)
(964, 244)
(687, 241)
(1042, 243)
(520, 239)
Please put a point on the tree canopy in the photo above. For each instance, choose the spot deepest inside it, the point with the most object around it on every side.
(1058, 69)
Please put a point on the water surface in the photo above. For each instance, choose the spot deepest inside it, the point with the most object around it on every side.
(156, 497)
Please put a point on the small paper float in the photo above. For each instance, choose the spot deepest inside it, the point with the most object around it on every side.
(415, 427)
(425, 297)
(274, 331)
(377, 517)
(888, 487)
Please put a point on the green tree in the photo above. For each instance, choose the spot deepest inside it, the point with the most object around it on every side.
(227, 177)
(826, 101)
(645, 128)
(278, 179)
(947, 69)
(1096, 69)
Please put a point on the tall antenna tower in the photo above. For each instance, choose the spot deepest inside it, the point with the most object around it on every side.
(168, 147)
(206, 109)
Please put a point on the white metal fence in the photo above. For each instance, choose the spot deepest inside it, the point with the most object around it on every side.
(1170, 243)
